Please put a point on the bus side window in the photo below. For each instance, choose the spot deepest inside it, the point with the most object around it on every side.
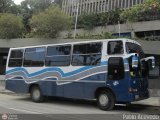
(15, 59)
(34, 57)
(87, 54)
(115, 68)
(58, 55)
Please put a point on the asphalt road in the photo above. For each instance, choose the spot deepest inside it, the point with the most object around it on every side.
(20, 107)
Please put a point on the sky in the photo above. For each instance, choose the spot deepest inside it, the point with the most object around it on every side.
(18, 2)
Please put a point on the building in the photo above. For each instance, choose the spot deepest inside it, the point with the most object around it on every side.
(96, 6)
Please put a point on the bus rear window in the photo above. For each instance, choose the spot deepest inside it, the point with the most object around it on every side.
(15, 59)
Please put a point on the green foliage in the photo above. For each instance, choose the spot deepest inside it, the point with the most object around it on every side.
(15, 9)
(50, 22)
(105, 35)
(30, 7)
(36, 6)
(114, 17)
(11, 26)
(8, 6)
(89, 21)
(149, 10)
(5, 5)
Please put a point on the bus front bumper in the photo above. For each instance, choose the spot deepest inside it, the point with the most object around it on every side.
(139, 96)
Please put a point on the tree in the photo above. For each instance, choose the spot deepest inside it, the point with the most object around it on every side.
(11, 26)
(36, 6)
(5, 5)
(50, 22)
(8, 6)
(30, 7)
(87, 21)
(15, 9)
(147, 11)
(59, 2)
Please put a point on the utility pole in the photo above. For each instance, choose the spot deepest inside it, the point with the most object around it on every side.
(119, 28)
(75, 28)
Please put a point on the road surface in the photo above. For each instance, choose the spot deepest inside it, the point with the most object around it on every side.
(20, 107)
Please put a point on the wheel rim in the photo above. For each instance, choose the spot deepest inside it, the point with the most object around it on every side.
(36, 94)
(103, 99)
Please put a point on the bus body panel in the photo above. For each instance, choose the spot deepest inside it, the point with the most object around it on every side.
(18, 86)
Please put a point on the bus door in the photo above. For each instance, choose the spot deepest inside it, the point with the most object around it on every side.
(117, 78)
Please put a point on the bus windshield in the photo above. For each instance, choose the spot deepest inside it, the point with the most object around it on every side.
(135, 48)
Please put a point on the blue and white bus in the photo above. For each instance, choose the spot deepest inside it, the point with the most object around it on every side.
(110, 71)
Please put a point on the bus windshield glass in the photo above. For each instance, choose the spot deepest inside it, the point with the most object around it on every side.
(134, 48)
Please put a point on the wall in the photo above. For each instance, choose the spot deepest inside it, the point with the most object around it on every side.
(128, 27)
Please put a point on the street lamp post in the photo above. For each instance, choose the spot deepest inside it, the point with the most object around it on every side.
(119, 28)
(75, 28)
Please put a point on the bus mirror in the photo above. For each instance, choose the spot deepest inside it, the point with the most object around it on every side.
(151, 62)
(134, 61)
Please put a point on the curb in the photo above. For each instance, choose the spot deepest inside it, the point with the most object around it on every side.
(3, 91)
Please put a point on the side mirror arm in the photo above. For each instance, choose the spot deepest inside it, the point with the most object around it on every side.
(152, 58)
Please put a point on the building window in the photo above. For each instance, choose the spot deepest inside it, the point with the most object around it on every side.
(109, 5)
(91, 7)
(134, 2)
(120, 2)
(130, 3)
(113, 7)
(123, 3)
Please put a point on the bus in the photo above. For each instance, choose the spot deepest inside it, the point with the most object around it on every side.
(110, 71)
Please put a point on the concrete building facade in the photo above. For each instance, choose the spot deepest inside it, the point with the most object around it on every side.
(96, 6)
(146, 30)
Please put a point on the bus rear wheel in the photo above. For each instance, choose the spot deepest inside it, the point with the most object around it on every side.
(105, 100)
(36, 94)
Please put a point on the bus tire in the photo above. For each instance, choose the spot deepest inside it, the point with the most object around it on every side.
(105, 100)
(36, 94)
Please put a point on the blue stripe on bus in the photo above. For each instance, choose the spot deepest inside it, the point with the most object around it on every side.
(54, 69)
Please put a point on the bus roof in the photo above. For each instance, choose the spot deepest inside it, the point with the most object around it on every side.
(80, 41)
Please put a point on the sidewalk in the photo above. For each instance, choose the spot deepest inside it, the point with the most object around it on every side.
(152, 101)
(4, 91)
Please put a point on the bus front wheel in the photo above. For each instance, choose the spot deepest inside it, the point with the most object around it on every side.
(36, 94)
(105, 100)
